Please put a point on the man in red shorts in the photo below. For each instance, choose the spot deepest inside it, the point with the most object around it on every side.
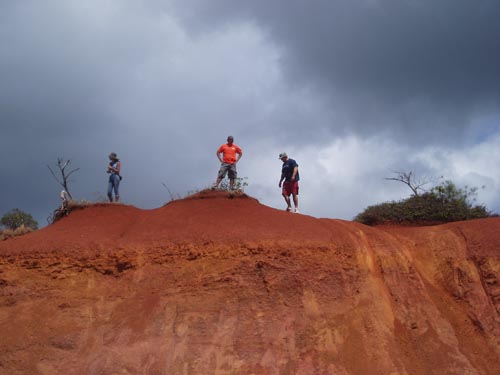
(290, 174)
(228, 154)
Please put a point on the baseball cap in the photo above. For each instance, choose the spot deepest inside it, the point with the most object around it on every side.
(283, 155)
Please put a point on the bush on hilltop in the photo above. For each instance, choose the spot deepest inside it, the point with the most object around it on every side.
(16, 218)
(441, 204)
(16, 223)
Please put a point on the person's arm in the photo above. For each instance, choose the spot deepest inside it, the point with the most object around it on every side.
(218, 153)
(239, 154)
(115, 169)
(281, 179)
(294, 173)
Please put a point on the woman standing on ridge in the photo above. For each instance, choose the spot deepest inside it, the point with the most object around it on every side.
(114, 177)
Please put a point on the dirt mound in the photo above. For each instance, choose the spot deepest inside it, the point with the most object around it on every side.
(220, 284)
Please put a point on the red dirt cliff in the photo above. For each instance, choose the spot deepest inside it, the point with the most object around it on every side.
(217, 285)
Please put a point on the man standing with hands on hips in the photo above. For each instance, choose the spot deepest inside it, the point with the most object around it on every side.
(228, 154)
(290, 175)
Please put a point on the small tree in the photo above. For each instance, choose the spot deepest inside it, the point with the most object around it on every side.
(16, 218)
(63, 181)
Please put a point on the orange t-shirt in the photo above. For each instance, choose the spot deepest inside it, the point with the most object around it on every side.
(229, 152)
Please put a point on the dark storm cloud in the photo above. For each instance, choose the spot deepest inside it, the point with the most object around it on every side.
(56, 100)
(162, 83)
(426, 68)
(82, 79)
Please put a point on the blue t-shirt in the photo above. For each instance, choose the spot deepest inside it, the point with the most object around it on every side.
(287, 170)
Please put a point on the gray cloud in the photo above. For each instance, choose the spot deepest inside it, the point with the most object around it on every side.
(424, 68)
(162, 83)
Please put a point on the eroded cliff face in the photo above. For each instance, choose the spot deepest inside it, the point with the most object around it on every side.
(212, 285)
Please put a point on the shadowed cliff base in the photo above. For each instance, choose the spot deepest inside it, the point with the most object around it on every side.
(219, 284)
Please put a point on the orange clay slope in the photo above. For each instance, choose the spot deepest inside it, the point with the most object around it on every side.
(213, 284)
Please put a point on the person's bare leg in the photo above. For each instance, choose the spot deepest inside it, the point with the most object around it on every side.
(296, 202)
(231, 183)
(217, 183)
(288, 203)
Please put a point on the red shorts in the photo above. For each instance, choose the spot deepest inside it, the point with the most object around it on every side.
(290, 187)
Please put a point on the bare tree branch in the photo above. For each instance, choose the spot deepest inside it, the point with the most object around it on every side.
(63, 181)
(60, 160)
(74, 170)
(409, 179)
(53, 174)
(172, 197)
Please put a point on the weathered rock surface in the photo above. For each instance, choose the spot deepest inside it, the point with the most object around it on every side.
(214, 285)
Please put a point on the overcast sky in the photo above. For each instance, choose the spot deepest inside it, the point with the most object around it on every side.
(352, 90)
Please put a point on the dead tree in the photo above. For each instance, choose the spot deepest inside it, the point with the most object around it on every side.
(64, 179)
(409, 179)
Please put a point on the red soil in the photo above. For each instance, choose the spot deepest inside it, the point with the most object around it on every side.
(219, 285)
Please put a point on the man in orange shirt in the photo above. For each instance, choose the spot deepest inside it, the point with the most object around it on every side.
(228, 154)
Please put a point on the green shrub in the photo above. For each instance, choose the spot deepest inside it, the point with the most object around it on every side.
(240, 184)
(16, 218)
(443, 203)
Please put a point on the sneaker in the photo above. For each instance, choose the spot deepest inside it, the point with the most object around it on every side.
(297, 211)
(288, 209)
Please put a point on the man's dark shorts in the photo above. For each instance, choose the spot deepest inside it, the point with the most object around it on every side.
(230, 169)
